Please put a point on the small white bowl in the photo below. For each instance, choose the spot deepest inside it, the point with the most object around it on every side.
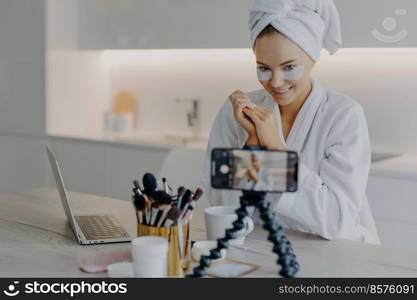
(203, 248)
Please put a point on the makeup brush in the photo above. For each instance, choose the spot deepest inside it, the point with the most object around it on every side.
(148, 207)
(173, 215)
(162, 214)
(181, 191)
(137, 188)
(185, 199)
(154, 213)
(188, 199)
(190, 209)
(149, 183)
(165, 185)
(161, 197)
(162, 201)
(139, 203)
(188, 212)
(160, 218)
(198, 193)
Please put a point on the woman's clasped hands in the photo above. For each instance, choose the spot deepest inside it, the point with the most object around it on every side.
(257, 120)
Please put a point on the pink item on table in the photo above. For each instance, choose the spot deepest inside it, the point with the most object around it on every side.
(95, 263)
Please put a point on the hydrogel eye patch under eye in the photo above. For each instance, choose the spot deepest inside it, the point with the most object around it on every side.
(294, 74)
(264, 75)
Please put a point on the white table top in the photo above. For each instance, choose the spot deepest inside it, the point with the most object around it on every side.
(36, 241)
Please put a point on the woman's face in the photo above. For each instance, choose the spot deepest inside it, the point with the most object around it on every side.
(283, 68)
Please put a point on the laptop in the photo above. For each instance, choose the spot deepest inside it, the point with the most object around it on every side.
(88, 229)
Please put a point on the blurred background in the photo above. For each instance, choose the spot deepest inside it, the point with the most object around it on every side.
(114, 86)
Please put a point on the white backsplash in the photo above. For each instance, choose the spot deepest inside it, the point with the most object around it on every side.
(158, 78)
(382, 80)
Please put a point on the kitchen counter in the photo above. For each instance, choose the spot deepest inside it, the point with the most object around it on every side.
(401, 167)
(175, 140)
(37, 242)
(166, 142)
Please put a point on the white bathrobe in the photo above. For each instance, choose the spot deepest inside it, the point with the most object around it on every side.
(330, 134)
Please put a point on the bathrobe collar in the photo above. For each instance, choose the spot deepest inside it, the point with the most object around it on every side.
(304, 119)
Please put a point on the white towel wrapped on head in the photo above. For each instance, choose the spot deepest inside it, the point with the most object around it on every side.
(311, 24)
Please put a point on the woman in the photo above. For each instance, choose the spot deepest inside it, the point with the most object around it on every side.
(254, 175)
(293, 112)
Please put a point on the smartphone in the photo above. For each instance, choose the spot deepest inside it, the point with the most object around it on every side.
(254, 170)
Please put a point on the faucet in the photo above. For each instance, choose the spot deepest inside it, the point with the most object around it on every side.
(193, 116)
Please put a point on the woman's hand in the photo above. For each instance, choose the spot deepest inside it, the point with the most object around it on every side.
(266, 127)
(253, 175)
(240, 101)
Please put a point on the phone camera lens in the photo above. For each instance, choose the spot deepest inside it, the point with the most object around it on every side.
(224, 169)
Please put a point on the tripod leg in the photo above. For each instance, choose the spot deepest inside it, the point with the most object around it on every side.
(282, 245)
(239, 224)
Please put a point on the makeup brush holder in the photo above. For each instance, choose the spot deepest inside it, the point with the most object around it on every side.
(177, 265)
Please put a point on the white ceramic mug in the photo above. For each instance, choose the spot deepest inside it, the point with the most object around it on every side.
(150, 256)
(220, 218)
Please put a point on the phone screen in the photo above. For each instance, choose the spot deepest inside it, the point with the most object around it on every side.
(254, 170)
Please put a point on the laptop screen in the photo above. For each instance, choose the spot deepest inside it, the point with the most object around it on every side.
(61, 187)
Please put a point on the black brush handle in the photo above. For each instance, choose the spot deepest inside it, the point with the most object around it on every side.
(185, 199)
(158, 217)
(139, 202)
(161, 197)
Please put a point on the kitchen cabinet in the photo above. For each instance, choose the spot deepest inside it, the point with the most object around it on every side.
(22, 65)
(82, 165)
(190, 24)
(394, 206)
(161, 24)
(393, 199)
(22, 95)
(124, 164)
(22, 163)
(397, 234)
(103, 168)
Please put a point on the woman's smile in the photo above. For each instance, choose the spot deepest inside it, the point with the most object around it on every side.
(281, 92)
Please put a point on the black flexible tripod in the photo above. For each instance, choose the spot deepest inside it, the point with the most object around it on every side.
(282, 246)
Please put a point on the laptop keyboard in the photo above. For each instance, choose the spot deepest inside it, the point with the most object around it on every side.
(101, 227)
